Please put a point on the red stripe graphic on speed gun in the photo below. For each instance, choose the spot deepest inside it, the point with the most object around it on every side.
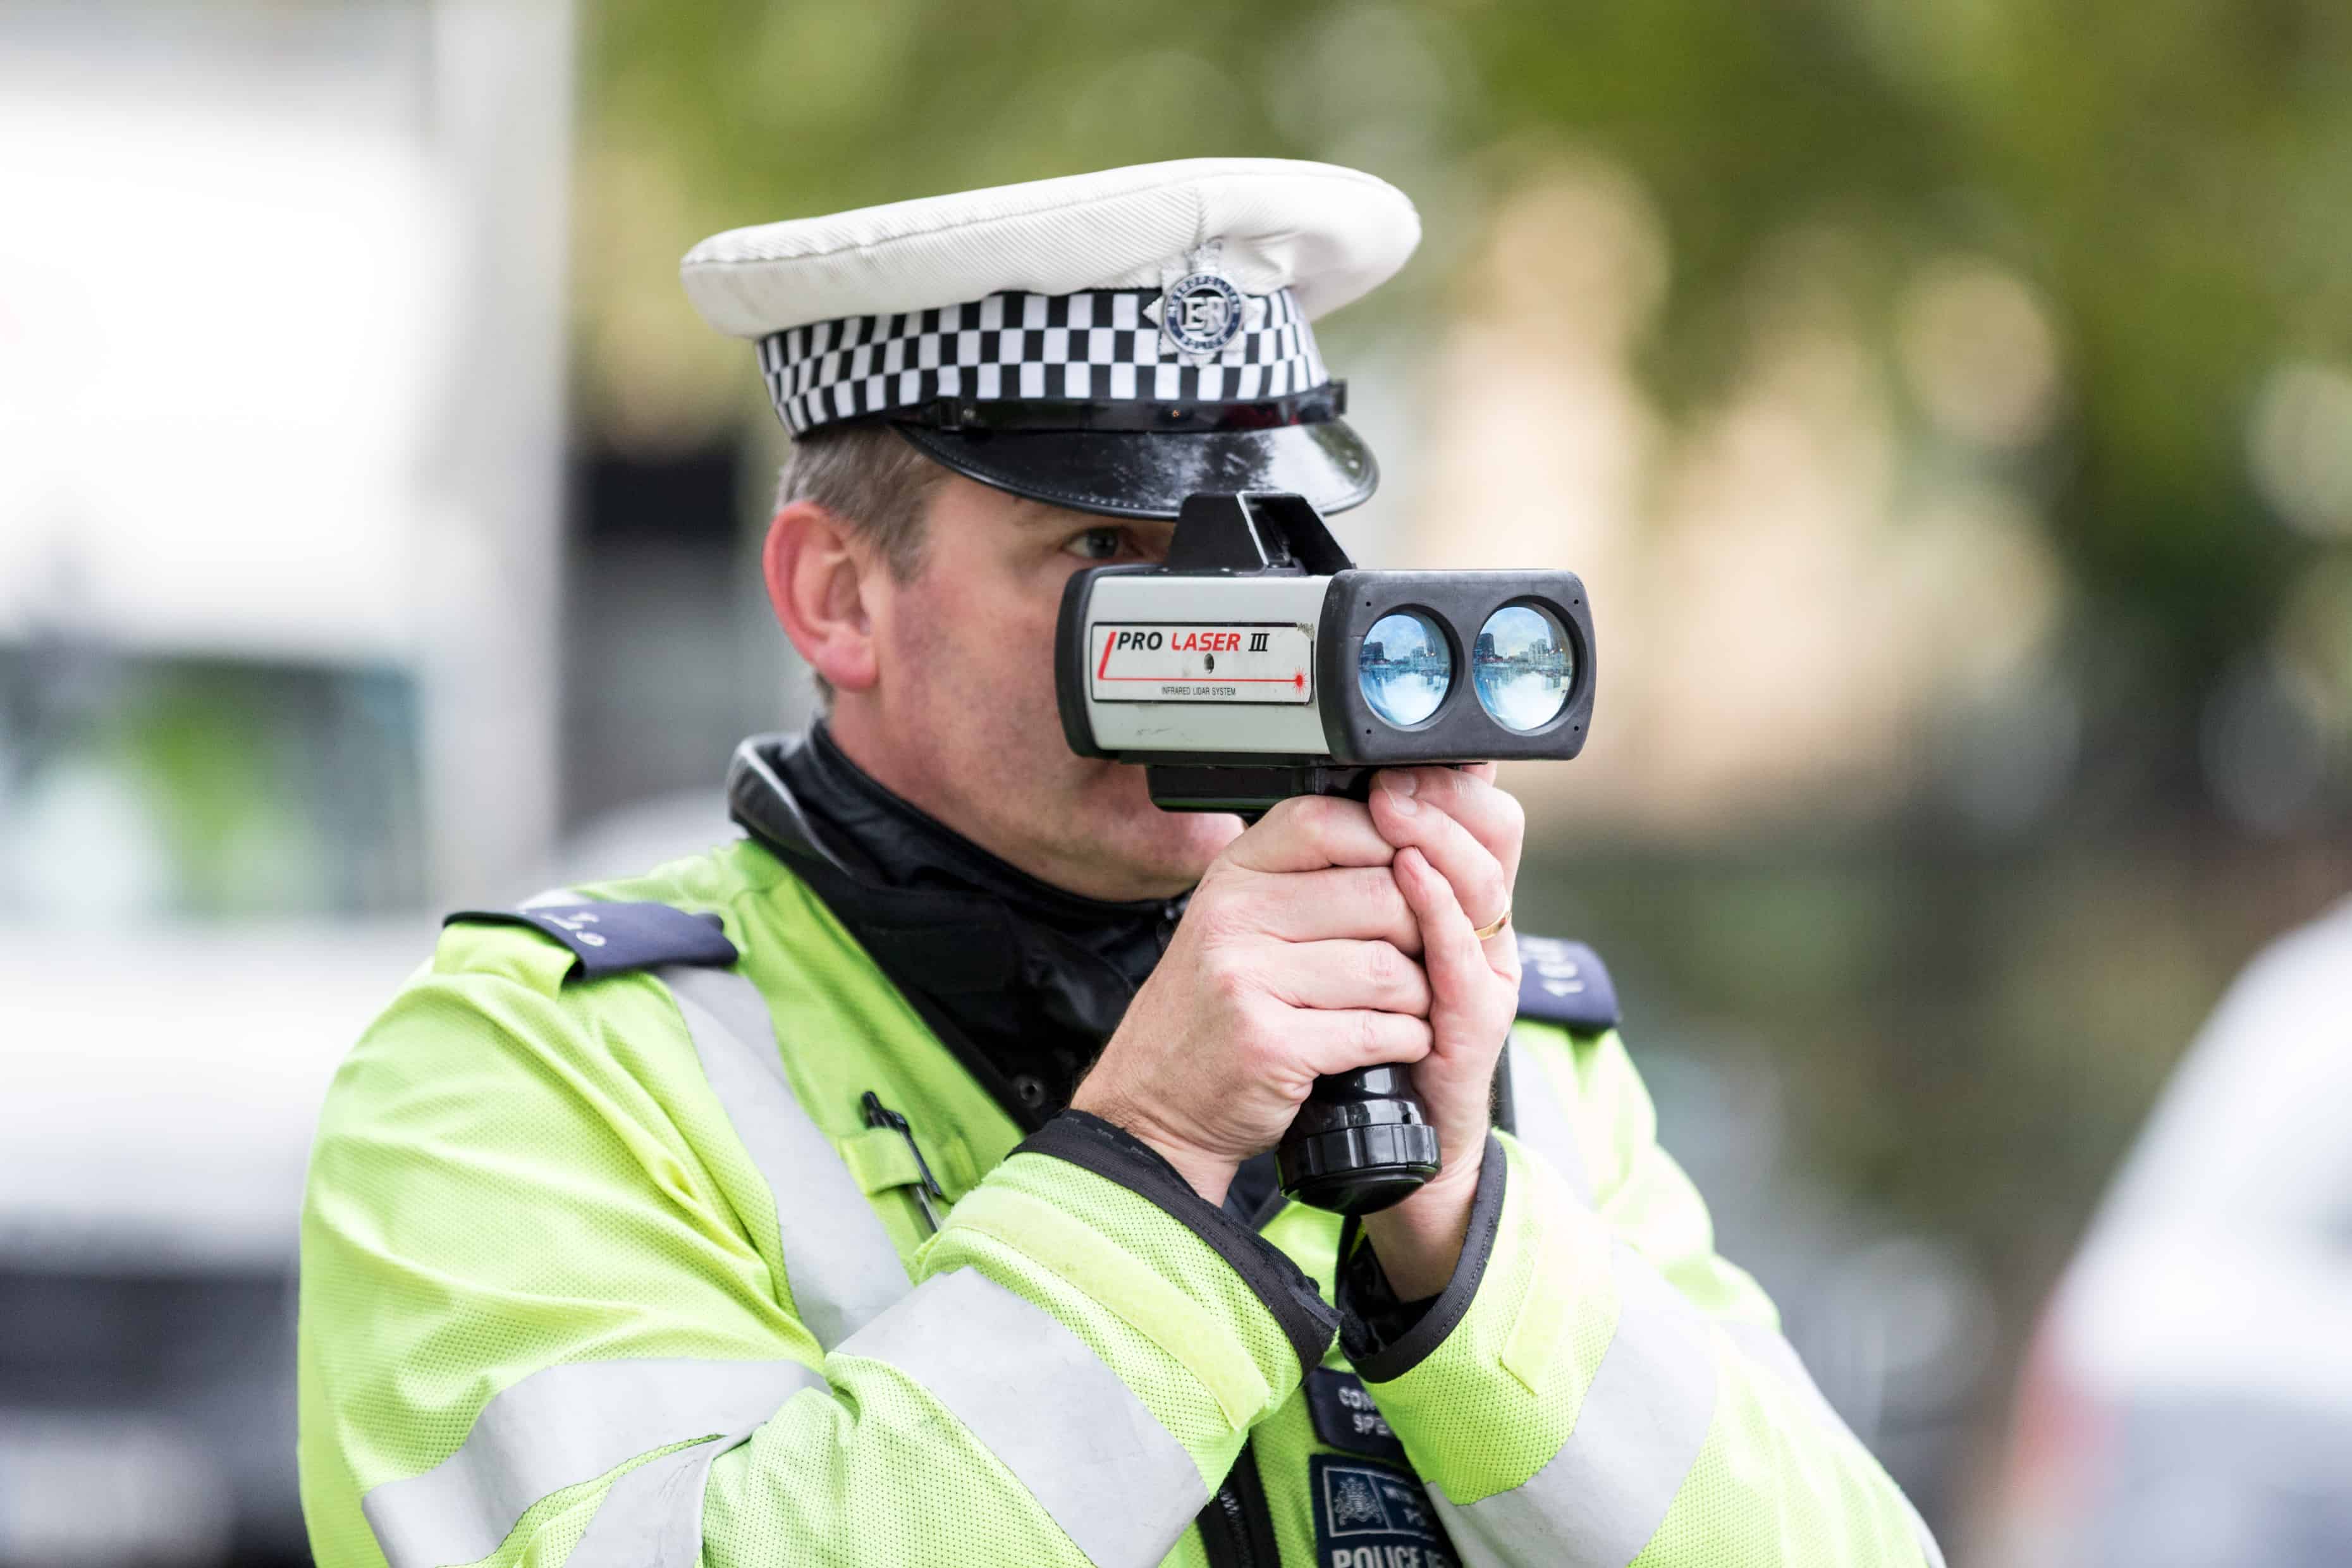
(1197, 663)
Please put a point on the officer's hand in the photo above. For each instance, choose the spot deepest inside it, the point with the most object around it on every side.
(1457, 842)
(1295, 959)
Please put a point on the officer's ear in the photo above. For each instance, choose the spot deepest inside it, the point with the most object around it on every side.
(818, 572)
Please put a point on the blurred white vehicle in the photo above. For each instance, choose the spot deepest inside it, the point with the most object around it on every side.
(2187, 1402)
(159, 1086)
(162, 1084)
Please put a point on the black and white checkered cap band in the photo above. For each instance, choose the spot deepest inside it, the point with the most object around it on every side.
(1099, 347)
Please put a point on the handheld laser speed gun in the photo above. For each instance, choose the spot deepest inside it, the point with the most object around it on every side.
(1259, 662)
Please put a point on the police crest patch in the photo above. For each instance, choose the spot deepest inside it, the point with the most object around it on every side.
(1374, 1516)
(1201, 312)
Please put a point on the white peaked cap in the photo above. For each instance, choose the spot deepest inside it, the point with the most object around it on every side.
(1327, 234)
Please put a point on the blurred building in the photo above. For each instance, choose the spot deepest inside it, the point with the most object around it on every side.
(282, 312)
(281, 335)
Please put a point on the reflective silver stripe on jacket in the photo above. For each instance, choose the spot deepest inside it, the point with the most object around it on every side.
(558, 1427)
(1644, 1418)
(1090, 1452)
(1772, 1351)
(838, 1260)
(652, 1517)
(1540, 1120)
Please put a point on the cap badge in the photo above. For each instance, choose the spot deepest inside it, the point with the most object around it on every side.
(1201, 312)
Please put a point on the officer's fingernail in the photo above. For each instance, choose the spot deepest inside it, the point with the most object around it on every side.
(1400, 787)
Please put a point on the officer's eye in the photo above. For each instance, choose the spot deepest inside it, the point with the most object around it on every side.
(1096, 543)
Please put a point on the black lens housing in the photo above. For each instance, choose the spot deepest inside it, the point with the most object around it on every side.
(1461, 730)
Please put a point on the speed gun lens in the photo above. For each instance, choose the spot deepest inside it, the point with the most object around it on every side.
(1405, 667)
(1522, 667)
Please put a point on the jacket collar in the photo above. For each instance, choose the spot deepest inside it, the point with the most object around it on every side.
(1031, 979)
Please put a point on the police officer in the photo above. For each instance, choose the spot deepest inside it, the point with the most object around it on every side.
(890, 1185)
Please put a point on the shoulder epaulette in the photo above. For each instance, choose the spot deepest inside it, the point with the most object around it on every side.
(615, 938)
(1565, 983)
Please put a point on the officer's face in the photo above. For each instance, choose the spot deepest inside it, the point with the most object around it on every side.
(965, 697)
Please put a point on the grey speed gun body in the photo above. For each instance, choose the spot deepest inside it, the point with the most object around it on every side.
(1259, 662)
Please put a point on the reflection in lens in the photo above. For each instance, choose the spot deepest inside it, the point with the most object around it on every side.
(1405, 667)
(1522, 667)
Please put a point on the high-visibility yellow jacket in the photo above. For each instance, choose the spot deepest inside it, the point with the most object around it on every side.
(614, 1251)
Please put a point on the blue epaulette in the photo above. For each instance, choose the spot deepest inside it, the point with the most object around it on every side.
(1565, 983)
(615, 938)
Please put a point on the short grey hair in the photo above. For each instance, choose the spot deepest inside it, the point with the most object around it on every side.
(875, 481)
(872, 480)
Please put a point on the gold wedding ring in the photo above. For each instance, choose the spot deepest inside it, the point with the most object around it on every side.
(1493, 926)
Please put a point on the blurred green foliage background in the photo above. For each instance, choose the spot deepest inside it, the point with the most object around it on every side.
(2169, 175)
